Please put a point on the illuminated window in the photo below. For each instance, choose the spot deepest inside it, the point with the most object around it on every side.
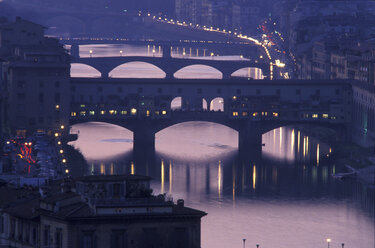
(82, 113)
(306, 116)
(157, 112)
(113, 112)
(102, 112)
(235, 113)
(57, 107)
(333, 117)
(82, 105)
(92, 112)
(275, 114)
(163, 112)
(325, 116)
(124, 112)
(315, 116)
(255, 114)
(147, 112)
(133, 111)
(244, 113)
(234, 97)
(73, 114)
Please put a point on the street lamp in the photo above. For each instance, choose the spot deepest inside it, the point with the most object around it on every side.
(90, 53)
(244, 240)
(342, 245)
(120, 53)
(328, 241)
(257, 245)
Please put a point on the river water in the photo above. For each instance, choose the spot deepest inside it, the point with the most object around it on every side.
(287, 199)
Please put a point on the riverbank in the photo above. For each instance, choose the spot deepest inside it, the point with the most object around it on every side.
(361, 159)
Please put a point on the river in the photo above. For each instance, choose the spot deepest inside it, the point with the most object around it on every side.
(287, 199)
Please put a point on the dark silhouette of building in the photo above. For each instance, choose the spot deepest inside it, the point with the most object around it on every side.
(97, 211)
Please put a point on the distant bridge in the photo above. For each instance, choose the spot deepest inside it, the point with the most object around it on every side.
(171, 65)
(251, 107)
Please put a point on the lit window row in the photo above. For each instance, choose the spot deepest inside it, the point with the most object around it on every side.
(254, 114)
(133, 111)
(316, 116)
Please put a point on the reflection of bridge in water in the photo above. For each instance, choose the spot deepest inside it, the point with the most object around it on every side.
(251, 107)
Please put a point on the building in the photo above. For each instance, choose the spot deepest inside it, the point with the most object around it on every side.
(98, 211)
(36, 76)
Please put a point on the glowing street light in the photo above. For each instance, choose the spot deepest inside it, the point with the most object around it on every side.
(90, 53)
(121, 53)
(62, 126)
(328, 241)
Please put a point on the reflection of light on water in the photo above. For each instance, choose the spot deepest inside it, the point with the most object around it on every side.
(307, 145)
(234, 182)
(274, 175)
(112, 169)
(102, 168)
(299, 143)
(317, 154)
(292, 143)
(132, 170)
(254, 176)
(281, 137)
(162, 176)
(304, 146)
(219, 179)
(170, 177)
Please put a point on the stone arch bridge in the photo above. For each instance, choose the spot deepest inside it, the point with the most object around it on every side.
(251, 107)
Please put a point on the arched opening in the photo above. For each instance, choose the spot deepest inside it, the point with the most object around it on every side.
(65, 26)
(137, 69)
(83, 70)
(204, 104)
(176, 103)
(198, 71)
(101, 141)
(217, 104)
(196, 140)
(249, 72)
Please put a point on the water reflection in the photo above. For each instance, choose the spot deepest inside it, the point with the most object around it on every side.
(285, 200)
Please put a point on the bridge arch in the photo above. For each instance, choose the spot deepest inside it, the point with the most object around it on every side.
(217, 104)
(137, 69)
(84, 70)
(198, 71)
(249, 72)
(176, 103)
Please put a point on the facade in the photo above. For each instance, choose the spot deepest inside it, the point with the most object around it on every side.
(36, 78)
(100, 211)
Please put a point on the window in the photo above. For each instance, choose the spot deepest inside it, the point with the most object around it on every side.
(1, 224)
(46, 235)
(88, 239)
(58, 238)
(235, 113)
(118, 239)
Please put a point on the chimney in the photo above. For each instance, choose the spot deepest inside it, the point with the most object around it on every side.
(180, 203)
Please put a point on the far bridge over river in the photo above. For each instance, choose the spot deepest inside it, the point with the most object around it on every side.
(251, 107)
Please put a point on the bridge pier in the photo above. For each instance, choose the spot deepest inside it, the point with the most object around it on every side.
(250, 140)
(144, 140)
(74, 51)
